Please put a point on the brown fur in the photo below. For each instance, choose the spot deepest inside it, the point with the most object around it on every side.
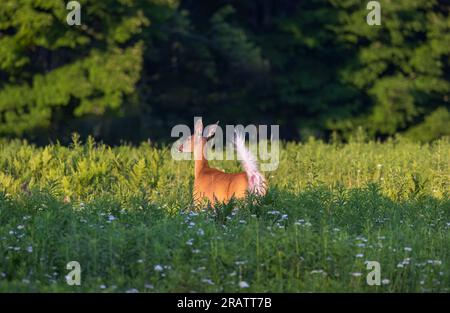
(215, 185)
(209, 183)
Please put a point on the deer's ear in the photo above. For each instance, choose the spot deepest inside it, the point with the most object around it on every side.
(211, 130)
(198, 128)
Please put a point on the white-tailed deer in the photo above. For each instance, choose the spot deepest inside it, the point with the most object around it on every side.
(215, 185)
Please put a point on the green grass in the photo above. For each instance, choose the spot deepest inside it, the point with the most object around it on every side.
(131, 225)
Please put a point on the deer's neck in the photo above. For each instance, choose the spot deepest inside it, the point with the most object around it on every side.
(200, 161)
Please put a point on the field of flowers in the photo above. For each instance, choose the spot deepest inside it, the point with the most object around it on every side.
(125, 214)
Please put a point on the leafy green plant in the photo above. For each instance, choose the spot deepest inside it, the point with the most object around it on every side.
(125, 214)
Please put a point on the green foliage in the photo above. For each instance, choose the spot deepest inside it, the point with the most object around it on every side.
(122, 212)
(435, 124)
(233, 42)
(134, 68)
(402, 65)
(46, 64)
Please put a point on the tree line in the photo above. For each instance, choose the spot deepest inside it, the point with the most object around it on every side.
(135, 68)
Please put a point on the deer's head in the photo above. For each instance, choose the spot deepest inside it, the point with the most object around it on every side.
(199, 138)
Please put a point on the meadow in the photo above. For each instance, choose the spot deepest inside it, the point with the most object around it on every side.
(125, 214)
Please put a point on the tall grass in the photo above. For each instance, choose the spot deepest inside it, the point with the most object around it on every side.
(126, 215)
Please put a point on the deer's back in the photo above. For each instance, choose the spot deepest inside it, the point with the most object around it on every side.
(216, 185)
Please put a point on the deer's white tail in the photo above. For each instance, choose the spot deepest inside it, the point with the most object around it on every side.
(256, 181)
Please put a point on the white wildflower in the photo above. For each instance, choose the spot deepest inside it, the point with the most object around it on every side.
(111, 217)
(243, 284)
(318, 272)
(207, 281)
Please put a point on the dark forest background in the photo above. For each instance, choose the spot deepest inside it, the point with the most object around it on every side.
(134, 69)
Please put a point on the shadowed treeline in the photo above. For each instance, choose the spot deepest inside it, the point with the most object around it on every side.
(135, 68)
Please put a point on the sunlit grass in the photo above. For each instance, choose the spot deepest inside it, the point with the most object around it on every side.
(125, 214)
